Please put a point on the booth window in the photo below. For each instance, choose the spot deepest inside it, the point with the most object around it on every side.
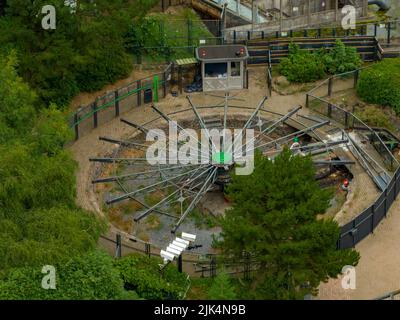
(216, 70)
(235, 69)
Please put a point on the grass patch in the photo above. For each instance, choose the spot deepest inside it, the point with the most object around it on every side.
(153, 198)
(153, 222)
(199, 288)
(375, 117)
(202, 220)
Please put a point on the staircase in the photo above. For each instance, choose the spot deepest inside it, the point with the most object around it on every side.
(259, 49)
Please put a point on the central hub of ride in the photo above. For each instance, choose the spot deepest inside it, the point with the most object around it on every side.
(223, 161)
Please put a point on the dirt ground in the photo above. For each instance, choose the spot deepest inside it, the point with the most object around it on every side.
(379, 269)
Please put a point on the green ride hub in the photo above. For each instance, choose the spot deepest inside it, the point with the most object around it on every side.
(222, 158)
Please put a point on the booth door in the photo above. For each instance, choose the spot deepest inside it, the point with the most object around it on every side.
(215, 76)
(235, 75)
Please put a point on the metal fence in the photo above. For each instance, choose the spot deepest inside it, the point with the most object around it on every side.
(111, 105)
(194, 264)
(385, 32)
(365, 223)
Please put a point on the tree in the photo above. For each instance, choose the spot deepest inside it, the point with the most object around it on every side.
(88, 277)
(17, 100)
(274, 217)
(222, 288)
(46, 236)
(142, 274)
(85, 52)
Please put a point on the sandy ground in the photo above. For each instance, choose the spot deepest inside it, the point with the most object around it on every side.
(379, 269)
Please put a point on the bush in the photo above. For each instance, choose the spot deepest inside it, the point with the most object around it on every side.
(340, 59)
(375, 117)
(302, 66)
(380, 84)
(142, 274)
(91, 276)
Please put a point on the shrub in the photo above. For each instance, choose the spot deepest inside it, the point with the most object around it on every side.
(380, 84)
(88, 277)
(340, 59)
(375, 117)
(142, 274)
(302, 66)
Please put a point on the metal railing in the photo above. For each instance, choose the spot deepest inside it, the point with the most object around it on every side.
(366, 222)
(111, 105)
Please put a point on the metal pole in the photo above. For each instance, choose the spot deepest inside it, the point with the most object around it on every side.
(76, 124)
(280, 17)
(180, 264)
(116, 103)
(94, 108)
(139, 93)
(118, 252)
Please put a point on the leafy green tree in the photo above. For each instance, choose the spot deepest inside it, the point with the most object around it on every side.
(49, 236)
(85, 52)
(88, 277)
(222, 288)
(142, 274)
(274, 217)
(17, 100)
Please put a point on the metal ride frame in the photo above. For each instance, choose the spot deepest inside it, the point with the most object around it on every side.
(187, 184)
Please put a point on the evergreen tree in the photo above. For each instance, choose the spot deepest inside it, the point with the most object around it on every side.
(274, 217)
(222, 288)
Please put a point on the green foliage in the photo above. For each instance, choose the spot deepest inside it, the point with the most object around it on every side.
(39, 222)
(158, 37)
(274, 217)
(222, 288)
(142, 274)
(380, 84)
(17, 100)
(375, 117)
(43, 236)
(51, 131)
(341, 58)
(87, 277)
(301, 66)
(85, 52)
(304, 66)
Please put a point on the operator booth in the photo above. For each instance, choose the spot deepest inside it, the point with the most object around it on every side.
(223, 67)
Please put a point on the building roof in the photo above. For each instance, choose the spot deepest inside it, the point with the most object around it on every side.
(222, 53)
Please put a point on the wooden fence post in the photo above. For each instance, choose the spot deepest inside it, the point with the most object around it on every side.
(76, 124)
(356, 76)
(118, 252)
(94, 108)
(330, 83)
(164, 84)
(139, 92)
(116, 103)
